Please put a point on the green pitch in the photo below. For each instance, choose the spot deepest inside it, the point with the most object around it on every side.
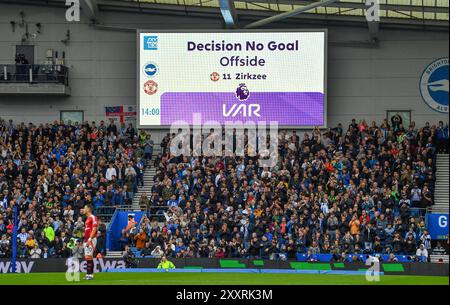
(217, 279)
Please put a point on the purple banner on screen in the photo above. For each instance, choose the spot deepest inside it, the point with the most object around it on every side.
(287, 108)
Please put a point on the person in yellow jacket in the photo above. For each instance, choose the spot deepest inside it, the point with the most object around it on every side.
(49, 232)
(166, 264)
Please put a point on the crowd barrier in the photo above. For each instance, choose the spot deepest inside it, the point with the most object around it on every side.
(328, 257)
(105, 265)
(265, 271)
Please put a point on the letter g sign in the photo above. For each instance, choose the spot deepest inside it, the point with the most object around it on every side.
(443, 221)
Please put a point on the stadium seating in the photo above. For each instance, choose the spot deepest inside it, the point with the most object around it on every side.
(49, 179)
(322, 155)
(361, 190)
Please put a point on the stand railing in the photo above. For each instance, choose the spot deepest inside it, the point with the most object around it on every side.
(54, 74)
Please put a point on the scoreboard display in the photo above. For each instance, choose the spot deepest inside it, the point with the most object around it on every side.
(236, 76)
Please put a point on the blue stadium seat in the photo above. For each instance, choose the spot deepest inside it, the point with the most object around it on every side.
(301, 257)
(403, 258)
(327, 257)
(324, 257)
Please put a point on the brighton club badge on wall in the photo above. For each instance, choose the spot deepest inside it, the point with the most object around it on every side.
(434, 85)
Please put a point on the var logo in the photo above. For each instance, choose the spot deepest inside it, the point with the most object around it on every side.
(241, 110)
(21, 267)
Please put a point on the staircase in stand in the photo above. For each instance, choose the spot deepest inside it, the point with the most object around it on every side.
(441, 192)
(114, 254)
(149, 173)
(439, 258)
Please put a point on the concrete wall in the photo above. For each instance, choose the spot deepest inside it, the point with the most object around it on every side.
(362, 82)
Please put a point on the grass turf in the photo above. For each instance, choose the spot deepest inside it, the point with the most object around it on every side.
(217, 279)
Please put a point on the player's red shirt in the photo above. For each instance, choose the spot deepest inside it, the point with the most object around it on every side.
(91, 223)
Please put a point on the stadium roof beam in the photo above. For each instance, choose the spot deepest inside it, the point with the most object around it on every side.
(248, 15)
(372, 14)
(374, 28)
(391, 5)
(320, 19)
(362, 5)
(285, 15)
(228, 12)
(91, 8)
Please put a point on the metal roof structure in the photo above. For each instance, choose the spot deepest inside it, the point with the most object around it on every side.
(404, 9)
(421, 14)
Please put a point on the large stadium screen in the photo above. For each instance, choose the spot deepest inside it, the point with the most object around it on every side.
(225, 77)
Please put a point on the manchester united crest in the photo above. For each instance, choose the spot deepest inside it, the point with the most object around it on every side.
(150, 87)
(214, 76)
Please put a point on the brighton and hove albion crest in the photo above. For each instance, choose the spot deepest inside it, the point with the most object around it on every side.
(434, 85)
(150, 69)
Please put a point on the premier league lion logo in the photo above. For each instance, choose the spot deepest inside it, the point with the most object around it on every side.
(242, 92)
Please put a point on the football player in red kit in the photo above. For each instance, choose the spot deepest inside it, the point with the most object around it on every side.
(90, 240)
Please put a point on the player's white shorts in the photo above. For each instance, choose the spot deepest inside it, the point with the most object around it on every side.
(90, 247)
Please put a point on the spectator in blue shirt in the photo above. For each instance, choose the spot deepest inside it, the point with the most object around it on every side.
(99, 200)
(118, 197)
(311, 257)
(23, 235)
(172, 202)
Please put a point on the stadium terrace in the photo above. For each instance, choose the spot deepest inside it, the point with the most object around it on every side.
(332, 192)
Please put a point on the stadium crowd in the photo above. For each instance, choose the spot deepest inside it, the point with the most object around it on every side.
(357, 190)
(338, 191)
(51, 171)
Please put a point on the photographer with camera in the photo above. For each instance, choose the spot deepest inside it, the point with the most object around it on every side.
(129, 258)
(77, 250)
(422, 254)
(35, 252)
(4, 246)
